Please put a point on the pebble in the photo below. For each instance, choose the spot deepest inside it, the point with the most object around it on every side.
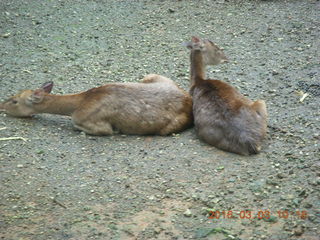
(6, 35)
(187, 213)
(289, 197)
(307, 205)
(281, 175)
(299, 230)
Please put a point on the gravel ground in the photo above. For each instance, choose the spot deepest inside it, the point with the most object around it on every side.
(62, 184)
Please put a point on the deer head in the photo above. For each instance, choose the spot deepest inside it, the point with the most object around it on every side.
(212, 54)
(25, 103)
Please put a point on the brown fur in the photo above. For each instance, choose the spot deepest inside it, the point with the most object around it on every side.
(223, 117)
(155, 106)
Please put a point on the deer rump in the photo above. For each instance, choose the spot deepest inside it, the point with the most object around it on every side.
(225, 119)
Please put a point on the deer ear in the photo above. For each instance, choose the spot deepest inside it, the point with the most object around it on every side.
(37, 96)
(47, 87)
(195, 39)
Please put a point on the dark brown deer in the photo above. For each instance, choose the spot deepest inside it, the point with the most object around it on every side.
(154, 106)
(223, 117)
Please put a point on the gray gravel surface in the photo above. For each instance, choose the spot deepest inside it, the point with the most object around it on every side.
(62, 184)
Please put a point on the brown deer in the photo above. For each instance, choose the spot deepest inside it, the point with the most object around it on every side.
(222, 116)
(154, 106)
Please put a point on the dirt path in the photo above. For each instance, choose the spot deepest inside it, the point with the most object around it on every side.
(61, 184)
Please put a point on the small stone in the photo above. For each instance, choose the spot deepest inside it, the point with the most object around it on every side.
(216, 200)
(296, 201)
(312, 218)
(307, 205)
(195, 196)
(232, 180)
(314, 183)
(272, 219)
(220, 168)
(303, 193)
(298, 231)
(187, 213)
(289, 197)
(6, 35)
(272, 182)
(20, 166)
(281, 175)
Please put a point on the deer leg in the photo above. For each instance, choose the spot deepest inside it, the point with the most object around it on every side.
(260, 107)
(178, 124)
(92, 127)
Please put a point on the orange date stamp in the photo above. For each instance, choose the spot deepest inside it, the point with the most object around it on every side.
(261, 214)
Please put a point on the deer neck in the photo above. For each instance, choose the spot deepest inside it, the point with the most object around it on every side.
(59, 104)
(197, 67)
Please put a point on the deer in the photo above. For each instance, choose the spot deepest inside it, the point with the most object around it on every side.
(155, 106)
(223, 117)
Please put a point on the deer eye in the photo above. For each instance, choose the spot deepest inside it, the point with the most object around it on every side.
(14, 101)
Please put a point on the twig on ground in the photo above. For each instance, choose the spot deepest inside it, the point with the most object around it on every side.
(3, 128)
(13, 138)
(54, 200)
(303, 97)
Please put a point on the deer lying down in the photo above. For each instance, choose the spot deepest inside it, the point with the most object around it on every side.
(155, 106)
(223, 117)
